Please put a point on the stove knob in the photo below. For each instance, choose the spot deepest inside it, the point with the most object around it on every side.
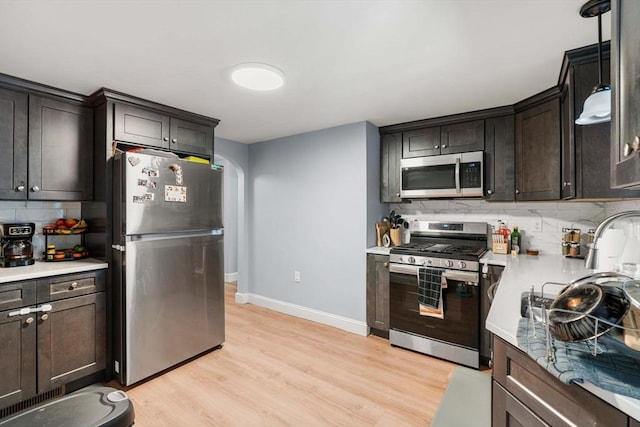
(448, 263)
(462, 264)
(411, 260)
(429, 262)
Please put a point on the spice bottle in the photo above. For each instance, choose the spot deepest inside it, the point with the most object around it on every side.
(574, 249)
(565, 248)
(51, 251)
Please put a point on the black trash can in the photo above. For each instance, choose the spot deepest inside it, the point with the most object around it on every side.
(92, 406)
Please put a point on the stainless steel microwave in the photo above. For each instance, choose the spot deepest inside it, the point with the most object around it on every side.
(448, 175)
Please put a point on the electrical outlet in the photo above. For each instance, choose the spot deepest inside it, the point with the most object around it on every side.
(537, 225)
(296, 276)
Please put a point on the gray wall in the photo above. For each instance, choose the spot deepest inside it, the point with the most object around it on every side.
(237, 155)
(309, 200)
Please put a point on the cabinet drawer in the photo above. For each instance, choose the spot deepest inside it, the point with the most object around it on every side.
(17, 294)
(61, 287)
(509, 411)
(550, 399)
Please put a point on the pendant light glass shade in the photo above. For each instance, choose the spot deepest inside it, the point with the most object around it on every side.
(597, 107)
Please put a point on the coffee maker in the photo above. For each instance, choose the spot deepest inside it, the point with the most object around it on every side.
(16, 248)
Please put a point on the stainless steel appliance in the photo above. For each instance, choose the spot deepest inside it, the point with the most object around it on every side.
(168, 263)
(447, 175)
(450, 250)
(16, 249)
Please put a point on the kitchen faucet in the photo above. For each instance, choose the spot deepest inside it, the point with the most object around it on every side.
(592, 257)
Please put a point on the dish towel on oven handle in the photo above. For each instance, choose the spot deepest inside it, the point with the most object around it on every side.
(431, 283)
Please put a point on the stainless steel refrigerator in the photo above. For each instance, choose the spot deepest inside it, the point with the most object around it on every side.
(168, 285)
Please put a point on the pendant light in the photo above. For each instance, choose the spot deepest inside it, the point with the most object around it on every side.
(597, 107)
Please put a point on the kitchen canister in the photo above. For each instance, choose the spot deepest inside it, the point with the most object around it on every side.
(396, 236)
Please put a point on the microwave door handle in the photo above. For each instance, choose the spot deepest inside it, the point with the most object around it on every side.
(457, 175)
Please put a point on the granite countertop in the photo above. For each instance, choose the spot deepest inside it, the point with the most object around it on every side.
(45, 269)
(520, 274)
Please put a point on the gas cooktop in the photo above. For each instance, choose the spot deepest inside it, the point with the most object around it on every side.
(440, 250)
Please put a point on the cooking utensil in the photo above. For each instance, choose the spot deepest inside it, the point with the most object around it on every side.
(573, 314)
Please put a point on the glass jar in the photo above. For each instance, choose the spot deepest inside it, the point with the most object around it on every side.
(574, 249)
(565, 248)
(575, 235)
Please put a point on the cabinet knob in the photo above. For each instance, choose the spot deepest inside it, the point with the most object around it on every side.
(74, 285)
(634, 146)
(444, 145)
(174, 140)
(28, 320)
(436, 146)
(35, 188)
(566, 184)
(489, 191)
(517, 191)
(397, 194)
(20, 187)
(386, 264)
(165, 139)
(44, 316)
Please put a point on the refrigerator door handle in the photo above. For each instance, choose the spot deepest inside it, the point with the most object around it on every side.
(118, 248)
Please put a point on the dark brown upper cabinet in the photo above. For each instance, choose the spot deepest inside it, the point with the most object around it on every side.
(14, 122)
(625, 85)
(585, 148)
(499, 166)
(446, 139)
(537, 147)
(156, 128)
(390, 155)
(46, 137)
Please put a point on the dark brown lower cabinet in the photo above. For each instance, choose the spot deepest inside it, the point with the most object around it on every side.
(378, 294)
(58, 341)
(524, 393)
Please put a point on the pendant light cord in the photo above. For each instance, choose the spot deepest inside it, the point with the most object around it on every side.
(600, 49)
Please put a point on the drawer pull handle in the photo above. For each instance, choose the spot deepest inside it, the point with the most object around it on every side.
(74, 285)
(44, 316)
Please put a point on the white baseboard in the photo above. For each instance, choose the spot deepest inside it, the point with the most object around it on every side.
(340, 322)
(231, 277)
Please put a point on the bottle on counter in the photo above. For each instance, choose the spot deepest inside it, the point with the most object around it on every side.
(515, 240)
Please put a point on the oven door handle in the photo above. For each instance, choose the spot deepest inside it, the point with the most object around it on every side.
(458, 175)
(470, 277)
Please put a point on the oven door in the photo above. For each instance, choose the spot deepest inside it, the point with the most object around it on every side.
(460, 325)
(450, 175)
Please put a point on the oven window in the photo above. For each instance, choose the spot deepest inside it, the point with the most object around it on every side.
(461, 311)
(435, 177)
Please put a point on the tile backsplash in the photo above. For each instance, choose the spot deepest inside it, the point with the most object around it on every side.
(540, 223)
(42, 213)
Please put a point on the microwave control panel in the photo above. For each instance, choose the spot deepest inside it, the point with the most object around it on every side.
(471, 175)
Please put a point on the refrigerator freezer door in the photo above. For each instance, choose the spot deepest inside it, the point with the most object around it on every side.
(164, 194)
(174, 301)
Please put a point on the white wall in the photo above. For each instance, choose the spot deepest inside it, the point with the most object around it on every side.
(309, 212)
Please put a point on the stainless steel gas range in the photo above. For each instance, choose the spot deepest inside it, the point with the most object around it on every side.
(435, 290)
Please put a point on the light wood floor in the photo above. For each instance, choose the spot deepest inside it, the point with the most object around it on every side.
(278, 370)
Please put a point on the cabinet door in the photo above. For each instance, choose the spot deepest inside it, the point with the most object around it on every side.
(568, 141)
(508, 411)
(499, 158)
(462, 137)
(538, 152)
(13, 144)
(378, 292)
(625, 118)
(17, 358)
(139, 126)
(191, 137)
(421, 142)
(390, 155)
(71, 340)
(60, 150)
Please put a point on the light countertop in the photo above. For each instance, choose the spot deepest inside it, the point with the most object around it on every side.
(45, 269)
(520, 273)
(379, 250)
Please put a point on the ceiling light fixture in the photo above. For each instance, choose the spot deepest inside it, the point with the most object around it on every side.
(257, 76)
(597, 107)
